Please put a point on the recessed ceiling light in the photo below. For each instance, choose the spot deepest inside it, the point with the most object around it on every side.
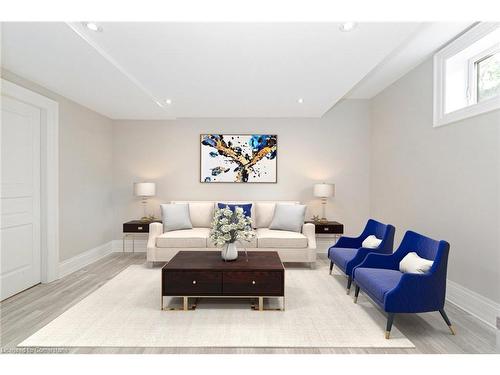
(347, 26)
(92, 26)
(168, 101)
(300, 100)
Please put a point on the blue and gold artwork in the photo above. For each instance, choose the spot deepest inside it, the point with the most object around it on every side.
(238, 158)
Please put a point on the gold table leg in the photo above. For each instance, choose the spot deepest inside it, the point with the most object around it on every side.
(185, 303)
(261, 303)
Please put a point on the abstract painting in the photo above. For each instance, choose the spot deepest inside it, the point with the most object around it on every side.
(238, 158)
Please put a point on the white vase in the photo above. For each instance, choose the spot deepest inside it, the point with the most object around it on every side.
(229, 252)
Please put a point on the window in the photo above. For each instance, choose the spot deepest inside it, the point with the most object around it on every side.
(487, 76)
(467, 75)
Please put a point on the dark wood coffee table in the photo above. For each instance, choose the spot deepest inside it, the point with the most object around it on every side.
(204, 274)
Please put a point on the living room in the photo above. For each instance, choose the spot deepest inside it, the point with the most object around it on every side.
(250, 186)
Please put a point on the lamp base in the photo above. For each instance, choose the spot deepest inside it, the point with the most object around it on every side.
(148, 218)
(319, 220)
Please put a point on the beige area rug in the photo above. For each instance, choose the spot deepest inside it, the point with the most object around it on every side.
(125, 312)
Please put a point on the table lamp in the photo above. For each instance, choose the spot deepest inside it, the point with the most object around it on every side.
(145, 190)
(324, 191)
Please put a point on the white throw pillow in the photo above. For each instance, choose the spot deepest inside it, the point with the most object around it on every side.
(371, 242)
(288, 217)
(412, 263)
(175, 217)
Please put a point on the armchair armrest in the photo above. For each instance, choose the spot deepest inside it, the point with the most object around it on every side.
(361, 254)
(155, 229)
(374, 260)
(416, 293)
(309, 231)
(348, 242)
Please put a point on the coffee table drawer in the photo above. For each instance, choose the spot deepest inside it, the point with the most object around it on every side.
(253, 283)
(192, 283)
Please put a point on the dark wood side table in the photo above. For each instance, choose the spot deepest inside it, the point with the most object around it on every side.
(133, 227)
(204, 274)
(327, 232)
(329, 227)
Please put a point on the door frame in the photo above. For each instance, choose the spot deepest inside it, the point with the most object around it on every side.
(49, 181)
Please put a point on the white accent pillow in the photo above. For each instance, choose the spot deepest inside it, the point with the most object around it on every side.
(371, 242)
(288, 217)
(412, 263)
(175, 217)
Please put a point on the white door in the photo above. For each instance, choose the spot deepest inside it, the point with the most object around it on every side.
(20, 266)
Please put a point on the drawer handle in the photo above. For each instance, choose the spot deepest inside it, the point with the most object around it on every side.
(253, 282)
(326, 229)
(194, 282)
(139, 228)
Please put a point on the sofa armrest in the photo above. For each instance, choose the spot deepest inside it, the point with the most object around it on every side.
(309, 230)
(155, 229)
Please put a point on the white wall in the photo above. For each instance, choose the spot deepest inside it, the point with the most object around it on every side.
(334, 148)
(443, 182)
(84, 173)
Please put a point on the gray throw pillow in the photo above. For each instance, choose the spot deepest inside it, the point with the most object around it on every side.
(288, 217)
(175, 217)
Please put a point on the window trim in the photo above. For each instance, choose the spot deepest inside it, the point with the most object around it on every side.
(441, 118)
(473, 72)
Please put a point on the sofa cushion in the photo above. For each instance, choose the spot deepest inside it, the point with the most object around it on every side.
(202, 214)
(377, 282)
(264, 212)
(240, 203)
(196, 237)
(247, 208)
(269, 238)
(340, 256)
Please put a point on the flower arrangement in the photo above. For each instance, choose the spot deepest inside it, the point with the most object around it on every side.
(229, 227)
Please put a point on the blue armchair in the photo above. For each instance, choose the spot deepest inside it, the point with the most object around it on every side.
(396, 292)
(348, 252)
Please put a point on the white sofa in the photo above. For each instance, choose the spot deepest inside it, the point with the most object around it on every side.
(291, 246)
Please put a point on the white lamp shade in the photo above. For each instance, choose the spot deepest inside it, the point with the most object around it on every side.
(323, 190)
(145, 189)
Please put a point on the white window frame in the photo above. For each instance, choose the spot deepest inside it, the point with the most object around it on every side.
(440, 117)
(472, 93)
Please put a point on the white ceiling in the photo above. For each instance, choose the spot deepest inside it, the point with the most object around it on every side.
(217, 69)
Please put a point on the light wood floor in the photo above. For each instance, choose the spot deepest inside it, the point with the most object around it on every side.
(27, 312)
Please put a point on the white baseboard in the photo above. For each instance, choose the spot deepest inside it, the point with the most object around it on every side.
(475, 304)
(138, 245)
(81, 260)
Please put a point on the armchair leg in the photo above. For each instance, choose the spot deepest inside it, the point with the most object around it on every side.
(447, 320)
(356, 294)
(390, 320)
(349, 282)
(331, 267)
